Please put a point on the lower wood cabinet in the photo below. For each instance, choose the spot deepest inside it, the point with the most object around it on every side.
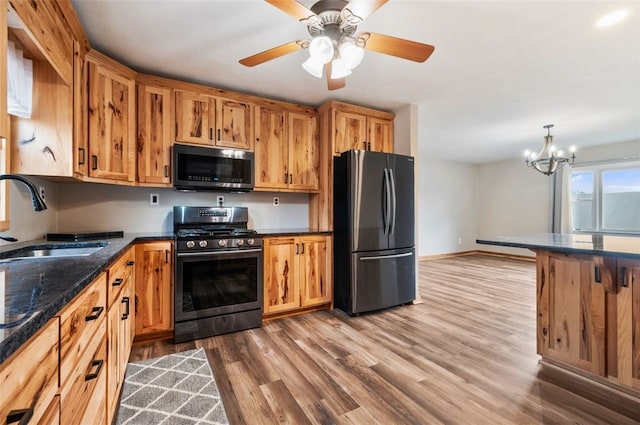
(628, 322)
(29, 379)
(297, 273)
(154, 289)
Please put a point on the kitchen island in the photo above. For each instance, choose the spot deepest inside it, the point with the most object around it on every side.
(588, 309)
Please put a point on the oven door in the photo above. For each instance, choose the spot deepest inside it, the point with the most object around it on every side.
(215, 283)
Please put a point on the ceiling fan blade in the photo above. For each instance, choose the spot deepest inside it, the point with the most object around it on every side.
(336, 83)
(399, 47)
(267, 55)
(364, 8)
(292, 8)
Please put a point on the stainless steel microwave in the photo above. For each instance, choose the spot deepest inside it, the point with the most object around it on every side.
(203, 168)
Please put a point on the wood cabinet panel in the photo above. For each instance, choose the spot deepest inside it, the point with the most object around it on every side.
(304, 155)
(271, 148)
(4, 124)
(350, 131)
(155, 137)
(153, 288)
(193, 118)
(80, 104)
(79, 321)
(380, 134)
(281, 292)
(52, 415)
(29, 378)
(571, 310)
(628, 322)
(315, 271)
(234, 124)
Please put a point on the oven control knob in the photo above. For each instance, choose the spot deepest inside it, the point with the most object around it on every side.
(222, 242)
(250, 241)
(240, 242)
(191, 244)
(202, 244)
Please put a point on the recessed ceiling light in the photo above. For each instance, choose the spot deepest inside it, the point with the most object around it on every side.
(612, 18)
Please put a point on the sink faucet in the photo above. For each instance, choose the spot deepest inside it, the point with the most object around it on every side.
(38, 202)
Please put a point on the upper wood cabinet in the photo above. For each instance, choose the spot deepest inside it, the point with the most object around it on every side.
(357, 127)
(628, 322)
(214, 121)
(286, 150)
(155, 136)
(111, 119)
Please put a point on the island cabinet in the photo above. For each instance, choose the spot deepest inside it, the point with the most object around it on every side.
(286, 150)
(155, 134)
(628, 323)
(297, 274)
(214, 121)
(29, 380)
(154, 290)
(111, 119)
(120, 325)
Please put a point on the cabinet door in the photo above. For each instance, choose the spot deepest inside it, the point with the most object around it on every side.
(80, 140)
(304, 157)
(234, 124)
(111, 124)
(194, 122)
(628, 326)
(154, 135)
(271, 149)
(380, 135)
(154, 292)
(315, 270)
(351, 132)
(281, 289)
(571, 310)
(4, 123)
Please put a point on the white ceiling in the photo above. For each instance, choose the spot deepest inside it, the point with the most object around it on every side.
(501, 69)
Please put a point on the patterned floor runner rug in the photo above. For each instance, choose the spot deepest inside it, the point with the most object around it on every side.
(177, 389)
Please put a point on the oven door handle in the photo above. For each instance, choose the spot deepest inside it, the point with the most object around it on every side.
(210, 253)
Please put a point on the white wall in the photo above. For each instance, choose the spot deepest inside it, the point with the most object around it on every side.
(447, 205)
(25, 223)
(93, 207)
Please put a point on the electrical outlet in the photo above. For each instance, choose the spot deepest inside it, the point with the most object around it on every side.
(276, 201)
(220, 200)
(154, 199)
(459, 241)
(41, 191)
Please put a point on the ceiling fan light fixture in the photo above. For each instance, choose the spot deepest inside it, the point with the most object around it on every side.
(321, 49)
(313, 67)
(339, 69)
(350, 53)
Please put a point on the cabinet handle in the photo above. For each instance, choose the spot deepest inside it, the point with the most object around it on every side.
(166, 256)
(98, 365)
(369, 148)
(117, 282)
(125, 301)
(297, 249)
(623, 277)
(290, 178)
(136, 304)
(22, 415)
(94, 159)
(218, 134)
(81, 158)
(130, 263)
(596, 272)
(211, 134)
(97, 311)
(302, 245)
(286, 177)
(166, 171)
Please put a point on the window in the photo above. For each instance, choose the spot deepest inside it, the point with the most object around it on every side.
(606, 198)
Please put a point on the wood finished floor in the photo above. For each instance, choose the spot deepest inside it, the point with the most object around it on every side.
(466, 355)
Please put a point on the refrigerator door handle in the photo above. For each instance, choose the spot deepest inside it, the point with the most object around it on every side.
(387, 202)
(392, 220)
(384, 257)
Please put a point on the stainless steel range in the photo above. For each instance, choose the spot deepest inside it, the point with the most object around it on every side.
(218, 273)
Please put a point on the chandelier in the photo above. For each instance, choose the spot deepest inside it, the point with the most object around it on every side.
(548, 160)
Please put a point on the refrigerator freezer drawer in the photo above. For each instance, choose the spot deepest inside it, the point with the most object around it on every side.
(382, 279)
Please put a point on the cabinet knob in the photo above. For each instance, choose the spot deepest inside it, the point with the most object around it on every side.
(98, 365)
(97, 311)
(21, 416)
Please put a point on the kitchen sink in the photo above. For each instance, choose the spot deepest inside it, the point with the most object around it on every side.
(51, 251)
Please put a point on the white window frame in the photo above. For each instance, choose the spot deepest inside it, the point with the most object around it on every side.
(597, 169)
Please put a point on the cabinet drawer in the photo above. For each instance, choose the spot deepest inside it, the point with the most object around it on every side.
(79, 322)
(29, 379)
(84, 392)
(119, 273)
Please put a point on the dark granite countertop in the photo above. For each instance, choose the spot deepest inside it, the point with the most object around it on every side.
(35, 290)
(608, 245)
(293, 232)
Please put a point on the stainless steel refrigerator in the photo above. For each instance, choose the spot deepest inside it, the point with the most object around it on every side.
(374, 244)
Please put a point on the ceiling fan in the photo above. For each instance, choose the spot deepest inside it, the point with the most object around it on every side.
(335, 48)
